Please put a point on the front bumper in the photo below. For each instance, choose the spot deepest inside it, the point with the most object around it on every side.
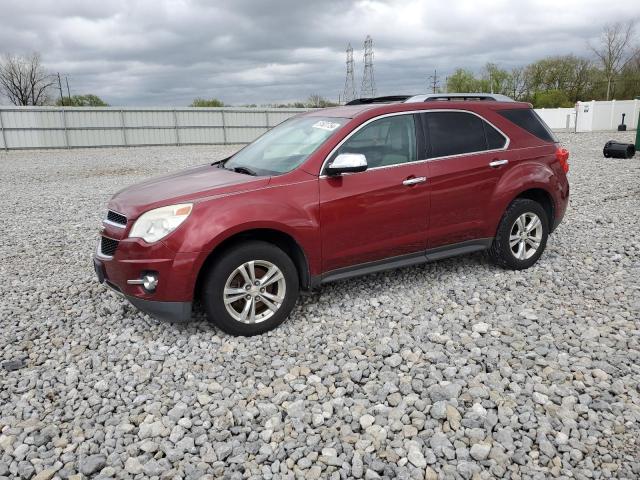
(169, 311)
(172, 298)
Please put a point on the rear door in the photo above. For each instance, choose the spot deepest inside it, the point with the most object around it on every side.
(467, 157)
(381, 212)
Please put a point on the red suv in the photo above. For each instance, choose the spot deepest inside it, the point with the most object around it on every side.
(334, 193)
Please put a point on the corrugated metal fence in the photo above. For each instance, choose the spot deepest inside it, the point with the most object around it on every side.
(72, 127)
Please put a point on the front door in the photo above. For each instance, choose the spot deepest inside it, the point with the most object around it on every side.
(381, 212)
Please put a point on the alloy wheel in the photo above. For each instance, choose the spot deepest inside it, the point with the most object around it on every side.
(254, 291)
(525, 236)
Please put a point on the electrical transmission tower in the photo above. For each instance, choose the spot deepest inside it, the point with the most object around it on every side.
(368, 88)
(434, 81)
(349, 92)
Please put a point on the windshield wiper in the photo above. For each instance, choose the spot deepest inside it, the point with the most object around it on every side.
(245, 170)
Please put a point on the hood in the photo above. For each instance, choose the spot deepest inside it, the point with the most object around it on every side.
(184, 186)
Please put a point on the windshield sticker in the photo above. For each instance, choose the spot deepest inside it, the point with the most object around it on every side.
(324, 125)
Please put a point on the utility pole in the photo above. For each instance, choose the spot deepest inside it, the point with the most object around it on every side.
(434, 80)
(60, 87)
(68, 92)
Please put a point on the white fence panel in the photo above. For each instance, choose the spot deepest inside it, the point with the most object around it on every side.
(68, 127)
(151, 136)
(243, 135)
(36, 138)
(202, 136)
(93, 119)
(556, 118)
(602, 116)
(193, 118)
(95, 138)
(3, 142)
(245, 119)
(148, 119)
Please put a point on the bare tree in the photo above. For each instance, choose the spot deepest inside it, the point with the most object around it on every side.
(23, 79)
(517, 84)
(614, 49)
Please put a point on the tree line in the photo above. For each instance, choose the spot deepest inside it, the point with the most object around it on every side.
(313, 101)
(612, 71)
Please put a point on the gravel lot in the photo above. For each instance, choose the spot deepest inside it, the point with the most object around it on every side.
(455, 369)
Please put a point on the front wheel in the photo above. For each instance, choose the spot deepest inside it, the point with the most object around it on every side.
(522, 235)
(250, 289)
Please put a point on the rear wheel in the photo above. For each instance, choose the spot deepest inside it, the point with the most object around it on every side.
(522, 235)
(250, 289)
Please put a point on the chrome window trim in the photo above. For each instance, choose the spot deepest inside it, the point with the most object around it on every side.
(412, 112)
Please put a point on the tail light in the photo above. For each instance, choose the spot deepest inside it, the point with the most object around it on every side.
(562, 155)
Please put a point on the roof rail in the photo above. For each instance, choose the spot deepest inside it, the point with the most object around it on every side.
(386, 99)
(433, 97)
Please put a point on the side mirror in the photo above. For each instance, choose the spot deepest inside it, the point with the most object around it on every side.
(347, 163)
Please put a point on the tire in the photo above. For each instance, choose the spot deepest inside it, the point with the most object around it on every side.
(227, 279)
(508, 252)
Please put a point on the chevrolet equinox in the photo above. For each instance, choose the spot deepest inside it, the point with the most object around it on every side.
(333, 193)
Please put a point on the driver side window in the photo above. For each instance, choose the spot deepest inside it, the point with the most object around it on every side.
(387, 141)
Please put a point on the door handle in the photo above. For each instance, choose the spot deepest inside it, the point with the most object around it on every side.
(414, 180)
(497, 163)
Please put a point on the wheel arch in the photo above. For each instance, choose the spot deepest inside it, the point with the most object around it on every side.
(282, 240)
(544, 198)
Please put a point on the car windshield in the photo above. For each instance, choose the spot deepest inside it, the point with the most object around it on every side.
(284, 147)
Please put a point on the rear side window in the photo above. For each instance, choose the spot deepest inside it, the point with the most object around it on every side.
(529, 120)
(455, 133)
(495, 139)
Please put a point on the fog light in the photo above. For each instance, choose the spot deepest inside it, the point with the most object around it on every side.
(149, 281)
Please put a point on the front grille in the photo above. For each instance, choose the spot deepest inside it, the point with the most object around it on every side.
(115, 217)
(108, 246)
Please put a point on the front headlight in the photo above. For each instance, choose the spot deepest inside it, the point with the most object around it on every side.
(160, 222)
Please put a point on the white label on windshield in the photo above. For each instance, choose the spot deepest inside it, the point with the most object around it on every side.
(324, 125)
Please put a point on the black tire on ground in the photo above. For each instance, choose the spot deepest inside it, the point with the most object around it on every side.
(228, 261)
(500, 252)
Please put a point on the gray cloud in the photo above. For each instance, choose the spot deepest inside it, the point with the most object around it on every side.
(166, 52)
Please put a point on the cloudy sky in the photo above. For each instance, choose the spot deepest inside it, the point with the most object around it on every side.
(166, 52)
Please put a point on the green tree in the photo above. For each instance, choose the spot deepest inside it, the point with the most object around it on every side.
(572, 75)
(551, 99)
(203, 102)
(627, 84)
(88, 100)
(498, 80)
(463, 81)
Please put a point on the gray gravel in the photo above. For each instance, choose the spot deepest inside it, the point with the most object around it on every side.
(455, 369)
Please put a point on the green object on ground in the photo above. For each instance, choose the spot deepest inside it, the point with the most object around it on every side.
(638, 134)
